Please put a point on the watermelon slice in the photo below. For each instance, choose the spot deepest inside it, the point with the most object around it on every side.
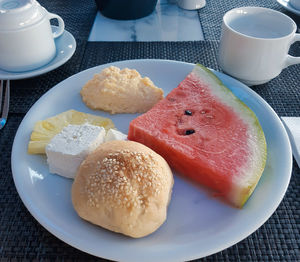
(207, 134)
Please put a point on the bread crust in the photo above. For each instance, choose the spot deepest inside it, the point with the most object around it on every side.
(125, 187)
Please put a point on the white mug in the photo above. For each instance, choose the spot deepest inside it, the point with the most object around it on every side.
(255, 42)
(26, 37)
(295, 4)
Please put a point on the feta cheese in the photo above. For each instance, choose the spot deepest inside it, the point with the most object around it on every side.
(113, 134)
(69, 148)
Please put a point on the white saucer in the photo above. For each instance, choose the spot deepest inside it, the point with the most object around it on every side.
(65, 48)
(286, 4)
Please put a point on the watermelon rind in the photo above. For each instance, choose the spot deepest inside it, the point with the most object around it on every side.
(243, 184)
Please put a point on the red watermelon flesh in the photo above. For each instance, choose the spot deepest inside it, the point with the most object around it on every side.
(207, 134)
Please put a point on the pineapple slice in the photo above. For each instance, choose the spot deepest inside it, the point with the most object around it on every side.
(44, 130)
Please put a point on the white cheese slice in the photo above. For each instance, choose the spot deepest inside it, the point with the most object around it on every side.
(69, 148)
(113, 134)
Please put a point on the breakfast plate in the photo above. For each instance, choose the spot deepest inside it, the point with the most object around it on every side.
(65, 48)
(197, 225)
(286, 4)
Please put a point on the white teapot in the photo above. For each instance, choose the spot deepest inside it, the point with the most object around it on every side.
(26, 37)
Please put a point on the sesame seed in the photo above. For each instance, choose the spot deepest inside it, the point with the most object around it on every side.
(125, 179)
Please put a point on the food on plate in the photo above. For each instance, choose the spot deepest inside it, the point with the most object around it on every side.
(44, 130)
(113, 134)
(207, 134)
(69, 148)
(120, 91)
(125, 187)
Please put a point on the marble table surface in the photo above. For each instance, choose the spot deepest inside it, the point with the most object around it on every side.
(168, 22)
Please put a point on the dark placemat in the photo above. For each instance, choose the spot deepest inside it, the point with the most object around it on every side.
(211, 15)
(22, 238)
(78, 15)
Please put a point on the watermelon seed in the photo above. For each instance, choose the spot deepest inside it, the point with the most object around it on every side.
(189, 131)
(188, 112)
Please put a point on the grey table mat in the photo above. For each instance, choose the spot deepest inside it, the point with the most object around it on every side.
(22, 238)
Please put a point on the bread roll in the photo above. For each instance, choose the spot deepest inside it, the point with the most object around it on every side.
(125, 187)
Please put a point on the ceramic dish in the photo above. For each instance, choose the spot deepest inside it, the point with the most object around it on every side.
(286, 4)
(197, 225)
(65, 48)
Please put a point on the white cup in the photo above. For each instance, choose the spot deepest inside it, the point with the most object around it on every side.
(295, 4)
(255, 42)
(26, 37)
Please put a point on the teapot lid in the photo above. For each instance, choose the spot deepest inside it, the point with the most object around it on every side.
(18, 14)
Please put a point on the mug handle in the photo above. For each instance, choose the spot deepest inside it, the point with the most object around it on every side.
(61, 24)
(291, 60)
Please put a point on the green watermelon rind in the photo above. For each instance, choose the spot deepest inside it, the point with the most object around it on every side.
(207, 75)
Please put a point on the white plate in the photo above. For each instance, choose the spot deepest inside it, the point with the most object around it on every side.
(197, 225)
(286, 4)
(65, 48)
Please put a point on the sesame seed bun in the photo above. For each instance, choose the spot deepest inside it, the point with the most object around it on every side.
(125, 187)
